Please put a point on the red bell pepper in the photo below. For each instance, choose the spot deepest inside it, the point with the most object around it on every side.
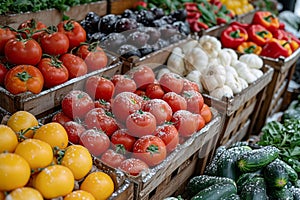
(283, 35)
(243, 25)
(140, 5)
(233, 36)
(276, 48)
(266, 19)
(259, 34)
(190, 6)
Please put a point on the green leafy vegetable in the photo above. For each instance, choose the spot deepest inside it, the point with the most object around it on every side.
(286, 137)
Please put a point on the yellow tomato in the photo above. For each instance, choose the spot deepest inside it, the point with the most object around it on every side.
(24, 193)
(54, 134)
(78, 159)
(21, 121)
(36, 152)
(79, 195)
(99, 184)
(9, 139)
(14, 171)
(54, 181)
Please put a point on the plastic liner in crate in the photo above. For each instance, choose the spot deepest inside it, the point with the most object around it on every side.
(166, 178)
(237, 110)
(272, 100)
(53, 16)
(49, 99)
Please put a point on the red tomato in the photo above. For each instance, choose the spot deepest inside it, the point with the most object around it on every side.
(76, 104)
(124, 104)
(23, 52)
(201, 122)
(175, 101)
(95, 141)
(3, 71)
(5, 35)
(123, 84)
(74, 31)
(32, 27)
(160, 109)
(189, 85)
(194, 101)
(102, 104)
(61, 118)
(140, 123)
(75, 65)
(206, 113)
(141, 93)
(23, 78)
(54, 72)
(99, 119)
(74, 130)
(94, 56)
(133, 166)
(54, 43)
(142, 76)
(112, 158)
(154, 91)
(185, 122)
(171, 82)
(99, 87)
(123, 137)
(169, 134)
(150, 149)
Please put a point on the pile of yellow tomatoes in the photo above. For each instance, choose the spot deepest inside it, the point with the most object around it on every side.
(37, 162)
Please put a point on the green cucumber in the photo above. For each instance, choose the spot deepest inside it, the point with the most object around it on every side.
(239, 144)
(226, 164)
(281, 194)
(254, 190)
(245, 178)
(232, 197)
(256, 159)
(293, 176)
(297, 183)
(198, 183)
(296, 193)
(211, 168)
(215, 192)
(276, 175)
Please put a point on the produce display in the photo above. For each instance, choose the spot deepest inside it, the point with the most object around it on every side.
(136, 33)
(37, 162)
(149, 124)
(264, 36)
(133, 121)
(36, 57)
(244, 171)
(216, 70)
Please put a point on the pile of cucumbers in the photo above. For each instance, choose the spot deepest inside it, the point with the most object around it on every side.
(246, 172)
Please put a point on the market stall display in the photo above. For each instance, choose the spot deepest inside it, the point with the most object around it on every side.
(163, 112)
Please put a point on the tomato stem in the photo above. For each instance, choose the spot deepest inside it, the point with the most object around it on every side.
(152, 149)
(59, 153)
(120, 149)
(23, 76)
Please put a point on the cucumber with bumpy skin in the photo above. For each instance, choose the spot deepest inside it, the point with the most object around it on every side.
(227, 162)
(232, 197)
(256, 159)
(215, 192)
(296, 193)
(198, 183)
(281, 194)
(254, 190)
(211, 168)
(293, 176)
(245, 178)
(276, 175)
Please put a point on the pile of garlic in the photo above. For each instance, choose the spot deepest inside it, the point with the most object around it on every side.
(216, 70)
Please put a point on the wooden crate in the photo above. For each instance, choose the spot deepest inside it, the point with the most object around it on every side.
(118, 6)
(53, 16)
(48, 100)
(239, 109)
(173, 173)
(277, 89)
